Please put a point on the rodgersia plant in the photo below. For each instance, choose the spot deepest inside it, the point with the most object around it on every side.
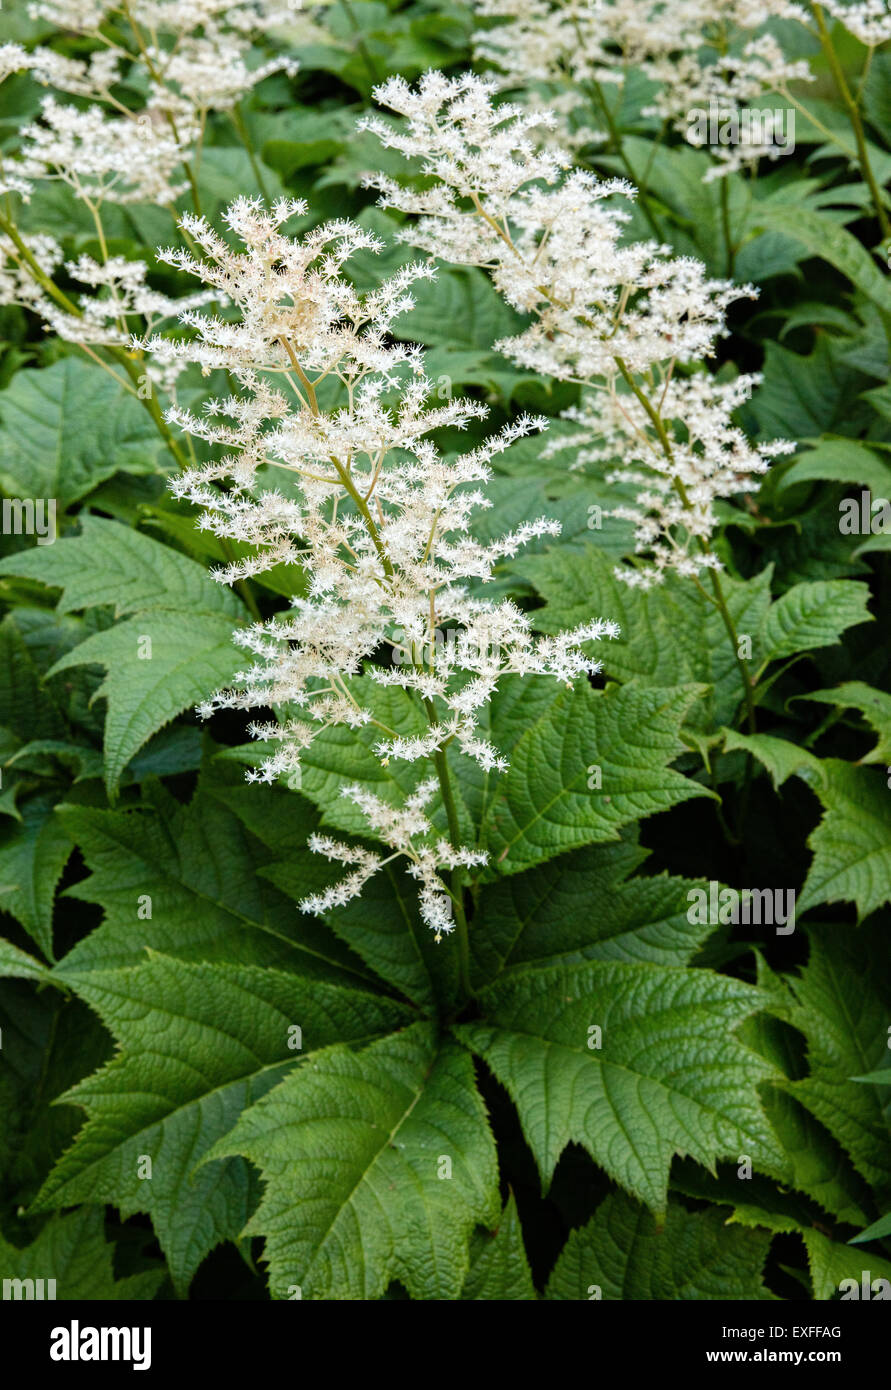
(625, 321)
(378, 518)
(509, 977)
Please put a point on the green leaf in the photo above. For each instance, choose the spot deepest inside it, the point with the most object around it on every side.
(545, 913)
(157, 665)
(33, 854)
(669, 1077)
(842, 1002)
(73, 1251)
(852, 843)
(499, 1268)
(622, 1254)
(543, 805)
(185, 880)
(671, 635)
(874, 705)
(17, 963)
(781, 758)
(108, 563)
(198, 1043)
(823, 237)
(813, 615)
(840, 461)
(830, 1263)
(803, 397)
(355, 1152)
(66, 428)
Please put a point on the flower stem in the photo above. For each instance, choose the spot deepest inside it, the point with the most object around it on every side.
(856, 120)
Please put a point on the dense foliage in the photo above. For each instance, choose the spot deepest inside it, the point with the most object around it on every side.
(506, 494)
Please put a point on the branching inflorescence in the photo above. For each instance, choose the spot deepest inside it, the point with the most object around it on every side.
(377, 516)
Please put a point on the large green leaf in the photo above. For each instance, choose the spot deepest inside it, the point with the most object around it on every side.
(670, 635)
(198, 1044)
(813, 615)
(669, 1077)
(66, 428)
(852, 843)
(185, 880)
(377, 1165)
(108, 563)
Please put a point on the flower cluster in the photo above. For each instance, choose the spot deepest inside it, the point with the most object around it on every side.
(868, 20)
(707, 458)
(725, 59)
(627, 321)
(379, 519)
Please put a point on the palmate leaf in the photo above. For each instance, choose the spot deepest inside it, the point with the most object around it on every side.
(73, 1251)
(198, 1044)
(377, 1165)
(669, 1077)
(622, 1254)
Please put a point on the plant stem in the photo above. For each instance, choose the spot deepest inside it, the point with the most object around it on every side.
(361, 47)
(242, 133)
(457, 876)
(720, 599)
(619, 147)
(854, 116)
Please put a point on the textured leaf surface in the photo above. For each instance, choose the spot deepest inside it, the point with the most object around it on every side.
(157, 665)
(351, 1152)
(814, 615)
(73, 1250)
(852, 843)
(185, 881)
(32, 857)
(842, 1005)
(830, 1263)
(198, 1044)
(669, 1078)
(694, 1256)
(671, 635)
(500, 1269)
(66, 428)
(544, 805)
(577, 907)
